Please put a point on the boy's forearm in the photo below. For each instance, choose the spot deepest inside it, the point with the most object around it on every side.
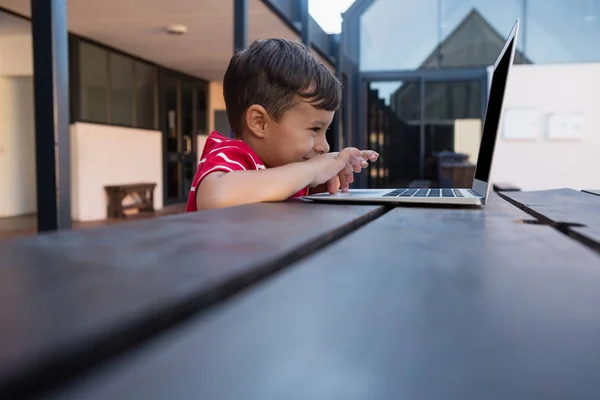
(245, 187)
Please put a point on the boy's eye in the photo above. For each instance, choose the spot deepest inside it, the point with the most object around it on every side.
(316, 130)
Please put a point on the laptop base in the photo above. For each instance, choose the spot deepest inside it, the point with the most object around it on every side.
(404, 195)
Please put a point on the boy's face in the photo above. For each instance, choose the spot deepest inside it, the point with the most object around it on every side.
(298, 136)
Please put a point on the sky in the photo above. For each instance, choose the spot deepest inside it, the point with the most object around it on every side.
(327, 13)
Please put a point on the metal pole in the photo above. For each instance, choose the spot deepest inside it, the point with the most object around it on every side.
(440, 34)
(422, 130)
(304, 21)
(524, 30)
(51, 101)
(240, 24)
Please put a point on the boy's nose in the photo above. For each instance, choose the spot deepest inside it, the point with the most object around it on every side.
(321, 146)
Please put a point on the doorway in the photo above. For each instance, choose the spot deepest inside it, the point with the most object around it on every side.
(413, 116)
(182, 119)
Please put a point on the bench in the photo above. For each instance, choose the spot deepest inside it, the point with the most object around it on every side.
(142, 195)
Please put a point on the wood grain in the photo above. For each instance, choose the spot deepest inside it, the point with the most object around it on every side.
(573, 212)
(421, 303)
(71, 299)
(596, 192)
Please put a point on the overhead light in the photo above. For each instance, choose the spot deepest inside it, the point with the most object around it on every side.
(176, 29)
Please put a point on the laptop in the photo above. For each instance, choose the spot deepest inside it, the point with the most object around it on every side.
(477, 194)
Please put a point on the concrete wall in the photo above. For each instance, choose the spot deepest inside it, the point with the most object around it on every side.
(531, 160)
(107, 155)
(17, 147)
(467, 136)
(17, 135)
(216, 102)
(16, 55)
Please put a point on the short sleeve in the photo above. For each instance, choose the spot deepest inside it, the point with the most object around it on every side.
(225, 159)
(301, 193)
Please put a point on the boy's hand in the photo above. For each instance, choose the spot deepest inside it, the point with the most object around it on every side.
(346, 176)
(336, 170)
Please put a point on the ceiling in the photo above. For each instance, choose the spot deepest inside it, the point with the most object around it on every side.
(204, 51)
(13, 26)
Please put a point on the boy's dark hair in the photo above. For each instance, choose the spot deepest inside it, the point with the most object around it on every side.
(271, 72)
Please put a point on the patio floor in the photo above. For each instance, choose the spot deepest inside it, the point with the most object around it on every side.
(26, 225)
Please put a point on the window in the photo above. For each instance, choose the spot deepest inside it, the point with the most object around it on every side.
(145, 91)
(562, 31)
(93, 63)
(116, 89)
(450, 33)
(121, 90)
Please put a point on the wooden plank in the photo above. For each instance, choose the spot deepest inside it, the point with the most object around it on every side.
(505, 187)
(73, 298)
(570, 211)
(421, 303)
(596, 192)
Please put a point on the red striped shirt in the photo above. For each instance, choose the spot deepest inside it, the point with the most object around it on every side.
(227, 155)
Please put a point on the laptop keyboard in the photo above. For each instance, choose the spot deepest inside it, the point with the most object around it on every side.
(424, 193)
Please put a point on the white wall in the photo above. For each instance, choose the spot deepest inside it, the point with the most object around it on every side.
(216, 102)
(201, 142)
(467, 137)
(17, 147)
(106, 155)
(542, 163)
(17, 135)
(16, 55)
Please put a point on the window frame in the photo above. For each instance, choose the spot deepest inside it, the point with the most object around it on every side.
(75, 43)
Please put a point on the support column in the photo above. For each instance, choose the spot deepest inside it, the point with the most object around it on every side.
(51, 104)
(422, 128)
(240, 24)
(304, 21)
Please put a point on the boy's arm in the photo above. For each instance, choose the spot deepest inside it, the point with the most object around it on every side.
(226, 189)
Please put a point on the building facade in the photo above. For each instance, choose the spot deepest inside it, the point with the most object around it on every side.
(145, 90)
(416, 76)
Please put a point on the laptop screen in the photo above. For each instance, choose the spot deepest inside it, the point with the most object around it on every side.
(492, 117)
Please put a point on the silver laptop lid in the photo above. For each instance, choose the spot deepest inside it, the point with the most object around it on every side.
(493, 114)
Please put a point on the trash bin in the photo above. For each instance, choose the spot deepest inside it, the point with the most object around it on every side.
(454, 169)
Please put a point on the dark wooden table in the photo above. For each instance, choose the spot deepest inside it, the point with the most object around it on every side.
(311, 301)
(591, 191)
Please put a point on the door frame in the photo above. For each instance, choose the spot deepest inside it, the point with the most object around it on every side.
(423, 76)
(196, 84)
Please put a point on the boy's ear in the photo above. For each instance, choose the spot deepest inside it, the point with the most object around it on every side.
(256, 120)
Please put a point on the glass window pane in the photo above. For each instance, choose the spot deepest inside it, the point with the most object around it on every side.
(145, 77)
(473, 32)
(563, 31)
(452, 100)
(452, 124)
(121, 90)
(394, 122)
(410, 34)
(397, 34)
(93, 64)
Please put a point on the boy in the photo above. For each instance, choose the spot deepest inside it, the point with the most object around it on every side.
(280, 102)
